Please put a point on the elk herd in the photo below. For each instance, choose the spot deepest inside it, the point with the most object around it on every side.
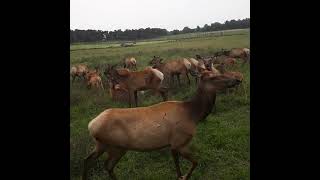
(169, 124)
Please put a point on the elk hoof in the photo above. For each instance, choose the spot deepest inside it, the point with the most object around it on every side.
(182, 178)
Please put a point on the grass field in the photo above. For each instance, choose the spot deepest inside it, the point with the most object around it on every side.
(222, 140)
(112, 44)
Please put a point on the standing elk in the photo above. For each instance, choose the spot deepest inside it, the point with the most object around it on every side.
(207, 61)
(130, 63)
(172, 68)
(168, 124)
(232, 74)
(79, 71)
(196, 67)
(135, 81)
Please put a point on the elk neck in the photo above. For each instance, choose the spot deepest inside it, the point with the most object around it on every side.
(201, 104)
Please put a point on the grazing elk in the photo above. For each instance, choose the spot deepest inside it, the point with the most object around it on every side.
(79, 71)
(229, 61)
(172, 68)
(93, 79)
(118, 92)
(168, 124)
(243, 53)
(135, 81)
(130, 63)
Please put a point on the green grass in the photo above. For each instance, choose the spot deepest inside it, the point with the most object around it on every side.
(170, 38)
(221, 144)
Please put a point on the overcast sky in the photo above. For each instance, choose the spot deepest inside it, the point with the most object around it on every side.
(110, 15)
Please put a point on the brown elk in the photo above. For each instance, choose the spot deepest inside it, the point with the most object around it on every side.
(93, 79)
(130, 63)
(228, 61)
(118, 92)
(168, 124)
(79, 71)
(135, 81)
(197, 66)
(243, 53)
(232, 74)
(207, 61)
(172, 68)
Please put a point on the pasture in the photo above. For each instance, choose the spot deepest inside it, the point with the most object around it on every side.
(221, 144)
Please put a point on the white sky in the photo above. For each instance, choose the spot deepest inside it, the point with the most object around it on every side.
(110, 15)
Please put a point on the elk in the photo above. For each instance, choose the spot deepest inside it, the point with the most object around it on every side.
(233, 74)
(130, 63)
(135, 81)
(93, 79)
(167, 124)
(243, 53)
(207, 61)
(79, 71)
(229, 61)
(196, 67)
(118, 92)
(172, 67)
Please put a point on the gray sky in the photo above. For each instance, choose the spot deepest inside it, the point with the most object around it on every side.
(169, 14)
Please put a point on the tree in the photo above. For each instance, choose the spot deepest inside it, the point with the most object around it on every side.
(136, 34)
(187, 30)
(198, 29)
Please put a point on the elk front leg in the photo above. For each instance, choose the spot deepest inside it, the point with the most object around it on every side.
(172, 79)
(188, 78)
(129, 98)
(185, 153)
(164, 93)
(178, 77)
(136, 98)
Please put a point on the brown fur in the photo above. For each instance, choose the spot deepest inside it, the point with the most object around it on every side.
(137, 81)
(79, 71)
(171, 68)
(94, 80)
(197, 66)
(231, 74)
(167, 124)
(130, 63)
(240, 53)
(118, 92)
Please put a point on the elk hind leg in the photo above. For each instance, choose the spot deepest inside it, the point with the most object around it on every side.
(115, 155)
(98, 151)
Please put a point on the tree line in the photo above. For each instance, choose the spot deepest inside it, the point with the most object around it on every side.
(147, 33)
